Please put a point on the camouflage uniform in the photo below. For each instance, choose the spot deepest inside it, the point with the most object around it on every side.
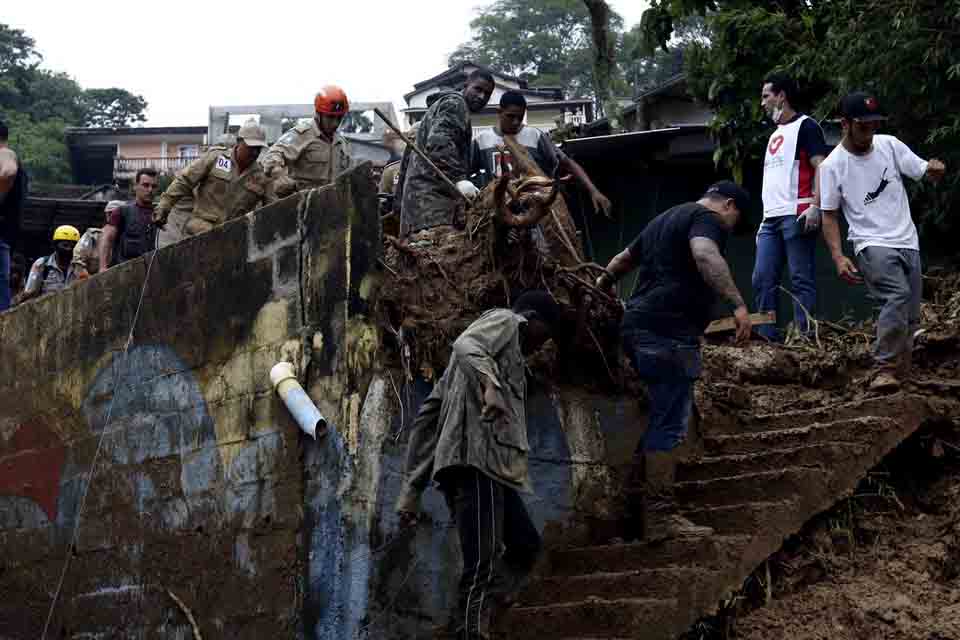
(390, 177)
(303, 155)
(445, 135)
(86, 257)
(173, 232)
(221, 192)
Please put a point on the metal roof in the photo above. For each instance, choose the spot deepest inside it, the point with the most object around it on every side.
(619, 142)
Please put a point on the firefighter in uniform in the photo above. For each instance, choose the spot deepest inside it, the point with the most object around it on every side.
(311, 154)
(227, 182)
(56, 271)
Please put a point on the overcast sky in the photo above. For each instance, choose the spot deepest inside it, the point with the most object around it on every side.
(183, 56)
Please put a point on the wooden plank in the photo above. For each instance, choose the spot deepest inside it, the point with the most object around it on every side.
(729, 324)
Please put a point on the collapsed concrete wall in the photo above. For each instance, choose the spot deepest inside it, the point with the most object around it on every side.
(204, 488)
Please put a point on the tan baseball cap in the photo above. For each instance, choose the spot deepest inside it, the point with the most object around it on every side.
(252, 134)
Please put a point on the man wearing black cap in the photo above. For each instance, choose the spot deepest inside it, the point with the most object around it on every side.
(682, 272)
(863, 175)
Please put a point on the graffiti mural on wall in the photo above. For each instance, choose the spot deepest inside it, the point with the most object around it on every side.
(33, 461)
(159, 411)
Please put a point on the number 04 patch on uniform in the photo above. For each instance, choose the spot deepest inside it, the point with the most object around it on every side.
(224, 163)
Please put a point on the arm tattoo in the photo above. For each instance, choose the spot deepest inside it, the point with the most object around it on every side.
(714, 269)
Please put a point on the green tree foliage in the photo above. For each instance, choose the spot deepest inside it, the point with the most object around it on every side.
(38, 105)
(547, 42)
(905, 51)
(112, 107)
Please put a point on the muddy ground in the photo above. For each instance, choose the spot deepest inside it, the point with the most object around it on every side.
(883, 565)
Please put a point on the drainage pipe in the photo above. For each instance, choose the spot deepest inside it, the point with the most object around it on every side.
(308, 417)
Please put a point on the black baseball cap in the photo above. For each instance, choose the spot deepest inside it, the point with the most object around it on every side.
(862, 107)
(729, 189)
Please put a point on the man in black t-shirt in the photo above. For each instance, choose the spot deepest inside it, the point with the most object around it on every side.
(682, 272)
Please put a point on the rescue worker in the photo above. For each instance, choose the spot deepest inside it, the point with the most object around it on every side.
(791, 215)
(682, 272)
(13, 195)
(310, 154)
(130, 232)
(488, 153)
(470, 436)
(445, 136)
(227, 182)
(863, 177)
(172, 232)
(55, 271)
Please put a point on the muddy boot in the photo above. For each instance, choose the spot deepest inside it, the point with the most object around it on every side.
(885, 381)
(662, 519)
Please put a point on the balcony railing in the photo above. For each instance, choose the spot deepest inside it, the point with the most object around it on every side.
(124, 167)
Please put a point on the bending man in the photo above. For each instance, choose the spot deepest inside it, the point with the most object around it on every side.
(682, 272)
(471, 437)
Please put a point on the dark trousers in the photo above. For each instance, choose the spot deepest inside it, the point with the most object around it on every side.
(498, 541)
(669, 366)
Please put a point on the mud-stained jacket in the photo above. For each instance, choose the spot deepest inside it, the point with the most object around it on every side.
(449, 431)
(305, 156)
(445, 136)
(220, 191)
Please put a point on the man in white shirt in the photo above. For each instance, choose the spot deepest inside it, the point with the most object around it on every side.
(864, 175)
(791, 218)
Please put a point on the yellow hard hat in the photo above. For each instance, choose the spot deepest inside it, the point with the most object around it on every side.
(66, 232)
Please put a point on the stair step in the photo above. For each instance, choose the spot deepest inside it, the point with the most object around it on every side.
(665, 582)
(596, 618)
(764, 485)
(854, 430)
(702, 552)
(879, 407)
(826, 455)
(742, 517)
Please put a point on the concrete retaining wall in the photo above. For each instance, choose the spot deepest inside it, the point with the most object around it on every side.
(204, 486)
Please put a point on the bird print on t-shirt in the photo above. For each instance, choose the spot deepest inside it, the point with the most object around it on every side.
(873, 195)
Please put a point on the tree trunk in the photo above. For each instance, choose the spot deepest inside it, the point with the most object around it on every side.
(604, 61)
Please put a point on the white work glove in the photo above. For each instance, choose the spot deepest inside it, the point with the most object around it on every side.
(810, 219)
(468, 189)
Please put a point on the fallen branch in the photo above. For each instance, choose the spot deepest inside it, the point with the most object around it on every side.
(810, 318)
(186, 611)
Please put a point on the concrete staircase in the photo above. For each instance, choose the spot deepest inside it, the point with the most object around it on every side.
(759, 479)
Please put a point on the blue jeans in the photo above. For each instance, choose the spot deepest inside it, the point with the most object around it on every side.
(782, 240)
(894, 279)
(669, 366)
(4, 276)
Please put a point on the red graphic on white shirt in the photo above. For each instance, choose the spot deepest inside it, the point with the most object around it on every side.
(775, 143)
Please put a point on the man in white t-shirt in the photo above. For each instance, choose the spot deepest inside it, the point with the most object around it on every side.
(864, 176)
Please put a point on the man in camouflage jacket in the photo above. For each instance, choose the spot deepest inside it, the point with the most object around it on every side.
(445, 136)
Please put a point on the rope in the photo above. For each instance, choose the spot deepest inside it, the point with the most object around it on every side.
(71, 547)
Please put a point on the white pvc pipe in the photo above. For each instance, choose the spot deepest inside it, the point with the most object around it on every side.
(306, 414)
